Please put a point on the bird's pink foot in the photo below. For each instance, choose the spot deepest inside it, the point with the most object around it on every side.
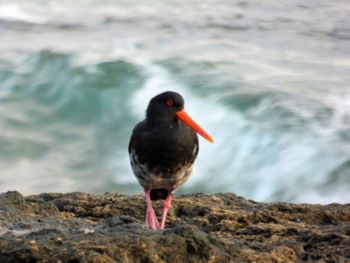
(151, 218)
(166, 206)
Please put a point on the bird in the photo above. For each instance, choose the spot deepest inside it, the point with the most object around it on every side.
(162, 151)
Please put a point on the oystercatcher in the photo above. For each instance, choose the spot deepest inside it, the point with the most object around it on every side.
(162, 150)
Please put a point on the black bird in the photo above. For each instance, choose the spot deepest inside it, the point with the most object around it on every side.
(162, 150)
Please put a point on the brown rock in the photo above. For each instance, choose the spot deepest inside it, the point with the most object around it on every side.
(80, 227)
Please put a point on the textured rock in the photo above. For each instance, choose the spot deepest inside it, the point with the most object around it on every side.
(79, 227)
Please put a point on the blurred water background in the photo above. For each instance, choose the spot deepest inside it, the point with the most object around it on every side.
(270, 80)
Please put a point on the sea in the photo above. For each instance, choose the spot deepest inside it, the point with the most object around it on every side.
(269, 80)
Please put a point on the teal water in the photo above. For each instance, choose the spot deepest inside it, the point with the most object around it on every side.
(272, 86)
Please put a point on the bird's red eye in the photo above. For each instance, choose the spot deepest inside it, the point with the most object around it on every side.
(170, 103)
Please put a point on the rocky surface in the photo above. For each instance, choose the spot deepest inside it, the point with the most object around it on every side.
(80, 227)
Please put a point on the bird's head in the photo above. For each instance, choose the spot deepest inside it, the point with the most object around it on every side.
(169, 107)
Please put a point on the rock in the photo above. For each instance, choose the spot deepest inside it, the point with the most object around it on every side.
(79, 227)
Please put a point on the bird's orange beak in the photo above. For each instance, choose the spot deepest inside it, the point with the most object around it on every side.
(183, 116)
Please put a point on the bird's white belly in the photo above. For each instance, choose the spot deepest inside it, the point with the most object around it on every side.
(170, 180)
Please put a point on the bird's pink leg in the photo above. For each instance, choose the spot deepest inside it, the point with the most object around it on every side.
(166, 206)
(151, 218)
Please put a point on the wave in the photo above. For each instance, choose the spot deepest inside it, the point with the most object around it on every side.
(66, 121)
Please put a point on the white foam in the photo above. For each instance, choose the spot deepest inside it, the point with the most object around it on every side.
(247, 158)
(13, 12)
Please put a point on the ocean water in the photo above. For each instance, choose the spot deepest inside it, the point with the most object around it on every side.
(269, 80)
